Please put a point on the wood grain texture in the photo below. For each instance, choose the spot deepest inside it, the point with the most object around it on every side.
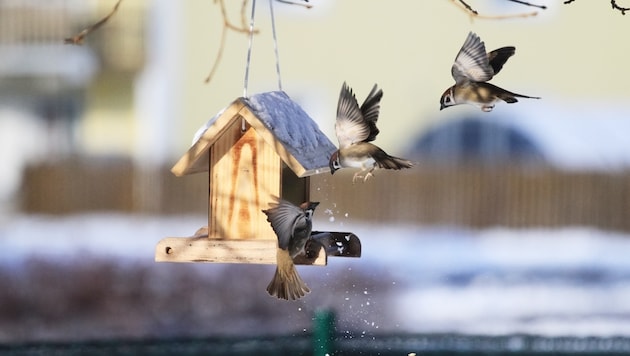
(202, 249)
(244, 175)
(195, 160)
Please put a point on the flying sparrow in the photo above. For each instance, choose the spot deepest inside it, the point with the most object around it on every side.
(472, 69)
(355, 128)
(293, 227)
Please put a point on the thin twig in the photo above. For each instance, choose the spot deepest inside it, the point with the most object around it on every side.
(244, 28)
(308, 6)
(543, 7)
(78, 38)
(219, 55)
(617, 7)
(613, 3)
(475, 14)
(227, 25)
(226, 21)
(467, 7)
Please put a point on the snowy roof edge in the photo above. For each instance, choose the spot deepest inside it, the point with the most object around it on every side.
(297, 132)
(280, 121)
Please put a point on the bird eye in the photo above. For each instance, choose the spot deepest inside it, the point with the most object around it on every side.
(447, 99)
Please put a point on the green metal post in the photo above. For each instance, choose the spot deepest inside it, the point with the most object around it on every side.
(323, 333)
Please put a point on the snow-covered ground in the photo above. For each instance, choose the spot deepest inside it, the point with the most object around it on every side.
(569, 281)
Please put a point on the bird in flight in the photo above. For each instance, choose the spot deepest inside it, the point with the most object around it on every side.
(355, 128)
(472, 69)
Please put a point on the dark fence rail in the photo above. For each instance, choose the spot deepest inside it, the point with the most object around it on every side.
(474, 196)
(304, 344)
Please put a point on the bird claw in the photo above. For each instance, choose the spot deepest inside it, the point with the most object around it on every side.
(357, 176)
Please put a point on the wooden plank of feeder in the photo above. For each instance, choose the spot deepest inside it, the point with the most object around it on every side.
(203, 249)
(196, 158)
(245, 175)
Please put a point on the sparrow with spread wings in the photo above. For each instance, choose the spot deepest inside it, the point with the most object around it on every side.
(472, 69)
(355, 128)
(293, 226)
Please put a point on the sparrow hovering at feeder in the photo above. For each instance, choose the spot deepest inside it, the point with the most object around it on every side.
(293, 227)
(355, 128)
(472, 69)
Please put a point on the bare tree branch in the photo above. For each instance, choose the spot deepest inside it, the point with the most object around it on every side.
(467, 7)
(613, 3)
(617, 7)
(227, 25)
(543, 7)
(475, 14)
(78, 38)
(244, 28)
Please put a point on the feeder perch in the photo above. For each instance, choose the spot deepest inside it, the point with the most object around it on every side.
(256, 148)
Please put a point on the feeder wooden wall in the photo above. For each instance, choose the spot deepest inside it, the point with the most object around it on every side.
(244, 173)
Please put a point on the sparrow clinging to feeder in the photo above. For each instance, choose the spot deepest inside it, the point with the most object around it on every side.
(292, 226)
(472, 69)
(355, 128)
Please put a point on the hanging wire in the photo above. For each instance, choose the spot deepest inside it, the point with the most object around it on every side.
(249, 48)
(275, 44)
(249, 57)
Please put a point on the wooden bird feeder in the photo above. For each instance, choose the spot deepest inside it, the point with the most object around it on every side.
(256, 148)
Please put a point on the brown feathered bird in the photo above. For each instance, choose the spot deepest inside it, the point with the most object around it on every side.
(473, 67)
(292, 226)
(355, 128)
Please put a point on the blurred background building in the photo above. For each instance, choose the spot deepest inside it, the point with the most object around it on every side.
(107, 119)
(94, 129)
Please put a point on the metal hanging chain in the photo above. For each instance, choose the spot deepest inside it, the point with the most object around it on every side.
(249, 48)
(275, 44)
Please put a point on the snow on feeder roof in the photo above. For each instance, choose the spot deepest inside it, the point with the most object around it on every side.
(280, 122)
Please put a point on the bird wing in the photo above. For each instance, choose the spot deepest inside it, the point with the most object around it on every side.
(351, 126)
(370, 110)
(284, 218)
(471, 63)
(498, 57)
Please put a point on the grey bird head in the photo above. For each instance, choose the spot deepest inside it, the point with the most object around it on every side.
(309, 208)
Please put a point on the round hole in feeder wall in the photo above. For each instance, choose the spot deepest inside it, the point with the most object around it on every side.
(168, 250)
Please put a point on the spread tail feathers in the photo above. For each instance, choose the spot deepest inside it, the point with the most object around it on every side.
(510, 97)
(286, 283)
(391, 162)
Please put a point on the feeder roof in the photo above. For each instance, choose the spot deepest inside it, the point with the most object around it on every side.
(280, 121)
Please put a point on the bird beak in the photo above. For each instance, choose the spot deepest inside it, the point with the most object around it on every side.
(442, 106)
